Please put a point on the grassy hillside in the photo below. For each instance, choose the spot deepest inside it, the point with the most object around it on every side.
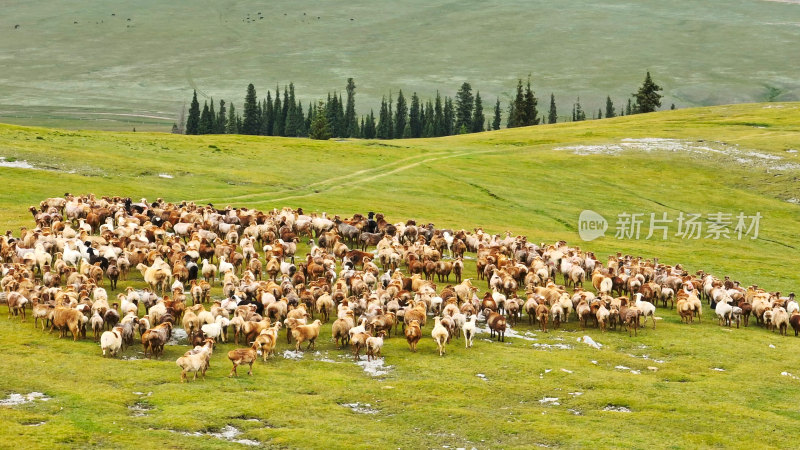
(95, 65)
(532, 181)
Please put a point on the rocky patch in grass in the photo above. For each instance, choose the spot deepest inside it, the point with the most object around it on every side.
(15, 399)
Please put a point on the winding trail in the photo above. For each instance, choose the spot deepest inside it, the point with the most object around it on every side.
(373, 174)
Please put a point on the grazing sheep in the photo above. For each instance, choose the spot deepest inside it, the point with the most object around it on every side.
(242, 356)
(358, 340)
(267, 340)
(724, 311)
(795, 322)
(584, 312)
(557, 313)
(374, 345)
(632, 320)
(780, 319)
(603, 316)
(195, 362)
(413, 334)
(440, 334)
(214, 330)
(736, 315)
(541, 314)
(469, 329)
(496, 323)
(154, 339)
(340, 330)
(16, 304)
(648, 309)
(111, 341)
(97, 325)
(302, 333)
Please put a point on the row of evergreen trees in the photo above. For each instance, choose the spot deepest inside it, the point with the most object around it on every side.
(336, 117)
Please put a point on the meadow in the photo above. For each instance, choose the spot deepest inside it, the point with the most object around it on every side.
(118, 65)
(676, 385)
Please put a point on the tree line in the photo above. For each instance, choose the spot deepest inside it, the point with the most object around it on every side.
(335, 117)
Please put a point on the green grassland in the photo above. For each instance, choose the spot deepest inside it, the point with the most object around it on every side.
(530, 181)
(79, 65)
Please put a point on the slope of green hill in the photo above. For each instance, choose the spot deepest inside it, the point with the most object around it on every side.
(684, 385)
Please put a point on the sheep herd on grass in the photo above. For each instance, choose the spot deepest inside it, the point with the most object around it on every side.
(58, 270)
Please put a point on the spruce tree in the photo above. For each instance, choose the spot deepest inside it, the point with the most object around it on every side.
(319, 125)
(361, 133)
(309, 116)
(300, 120)
(579, 114)
(213, 117)
(331, 106)
(449, 116)
(232, 125)
(401, 116)
(647, 98)
(221, 122)
(206, 124)
(464, 106)
(530, 102)
(511, 115)
(391, 117)
(341, 123)
(429, 127)
(251, 119)
(285, 110)
(610, 108)
(600, 113)
(438, 117)
(415, 117)
(193, 121)
(629, 108)
(518, 118)
(277, 112)
(477, 116)
(269, 115)
(263, 128)
(369, 127)
(497, 119)
(291, 112)
(383, 130)
(350, 112)
(552, 116)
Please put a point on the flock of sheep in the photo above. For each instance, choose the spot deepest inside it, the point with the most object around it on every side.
(58, 270)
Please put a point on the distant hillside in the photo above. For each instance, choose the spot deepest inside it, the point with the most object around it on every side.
(104, 65)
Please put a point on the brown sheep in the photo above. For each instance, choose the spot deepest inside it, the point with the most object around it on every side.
(795, 322)
(358, 341)
(302, 333)
(496, 323)
(632, 320)
(413, 334)
(266, 341)
(69, 319)
(242, 356)
(155, 338)
(341, 329)
(542, 313)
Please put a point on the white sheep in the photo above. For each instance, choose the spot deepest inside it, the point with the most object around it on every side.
(724, 311)
(469, 330)
(224, 267)
(647, 309)
(214, 330)
(111, 341)
(440, 335)
(374, 346)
